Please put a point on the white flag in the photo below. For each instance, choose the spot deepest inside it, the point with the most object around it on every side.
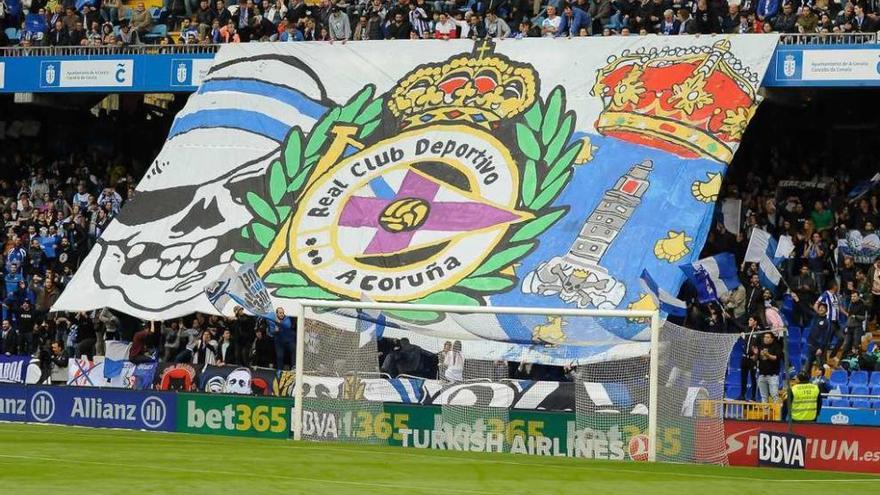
(784, 247)
(762, 250)
(758, 243)
(731, 212)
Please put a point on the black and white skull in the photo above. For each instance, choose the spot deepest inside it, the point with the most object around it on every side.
(575, 280)
(176, 235)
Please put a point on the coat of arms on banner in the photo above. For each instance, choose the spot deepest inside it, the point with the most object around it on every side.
(789, 65)
(436, 207)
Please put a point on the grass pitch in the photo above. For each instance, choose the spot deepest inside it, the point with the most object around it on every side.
(59, 459)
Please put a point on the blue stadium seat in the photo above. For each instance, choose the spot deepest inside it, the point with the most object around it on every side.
(838, 402)
(859, 390)
(619, 394)
(158, 31)
(875, 404)
(731, 379)
(875, 378)
(858, 378)
(838, 377)
(875, 389)
(863, 403)
(732, 391)
(838, 388)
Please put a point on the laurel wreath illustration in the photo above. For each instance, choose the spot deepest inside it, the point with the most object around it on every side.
(543, 138)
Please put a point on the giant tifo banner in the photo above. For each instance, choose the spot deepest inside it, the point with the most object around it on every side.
(534, 173)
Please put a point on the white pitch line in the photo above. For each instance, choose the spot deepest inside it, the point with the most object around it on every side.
(434, 454)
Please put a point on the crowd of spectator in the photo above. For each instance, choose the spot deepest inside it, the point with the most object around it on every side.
(111, 23)
(824, 290)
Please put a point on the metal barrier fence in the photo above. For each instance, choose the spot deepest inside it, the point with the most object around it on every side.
(852, 399)
(43, 51)
(740, 409)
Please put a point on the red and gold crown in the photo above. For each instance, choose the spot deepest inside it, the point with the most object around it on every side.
(693, 102)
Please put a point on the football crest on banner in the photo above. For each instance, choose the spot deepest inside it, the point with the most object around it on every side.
(431, 193)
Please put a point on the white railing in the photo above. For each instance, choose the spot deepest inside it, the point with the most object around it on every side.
(828, 39)
(62, 51)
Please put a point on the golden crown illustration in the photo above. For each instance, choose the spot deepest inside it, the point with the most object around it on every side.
(693, 102)
(481, 87)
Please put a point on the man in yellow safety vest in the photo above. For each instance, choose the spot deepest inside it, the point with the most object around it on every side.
(804, 399)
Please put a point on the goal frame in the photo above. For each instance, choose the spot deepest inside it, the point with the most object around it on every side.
(300, 305)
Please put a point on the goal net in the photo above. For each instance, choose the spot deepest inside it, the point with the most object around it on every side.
(508, 380)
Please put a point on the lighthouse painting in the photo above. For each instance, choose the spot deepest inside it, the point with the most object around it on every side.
(578, 277)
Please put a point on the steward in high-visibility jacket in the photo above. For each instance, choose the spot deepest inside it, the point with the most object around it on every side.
(804, 399)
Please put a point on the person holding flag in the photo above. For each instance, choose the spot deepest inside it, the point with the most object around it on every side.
(751, 338)
(735, 303)
(754, 297)
(764, 251)
(712, 277)
(248, 290)
(283, 329)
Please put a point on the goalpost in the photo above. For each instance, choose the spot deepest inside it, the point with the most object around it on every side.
(331, 353)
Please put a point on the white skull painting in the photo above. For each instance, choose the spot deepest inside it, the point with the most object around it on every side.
(238, 382)
(176, 239)
(183, 225)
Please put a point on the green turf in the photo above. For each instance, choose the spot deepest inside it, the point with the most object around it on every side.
(55, 459)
